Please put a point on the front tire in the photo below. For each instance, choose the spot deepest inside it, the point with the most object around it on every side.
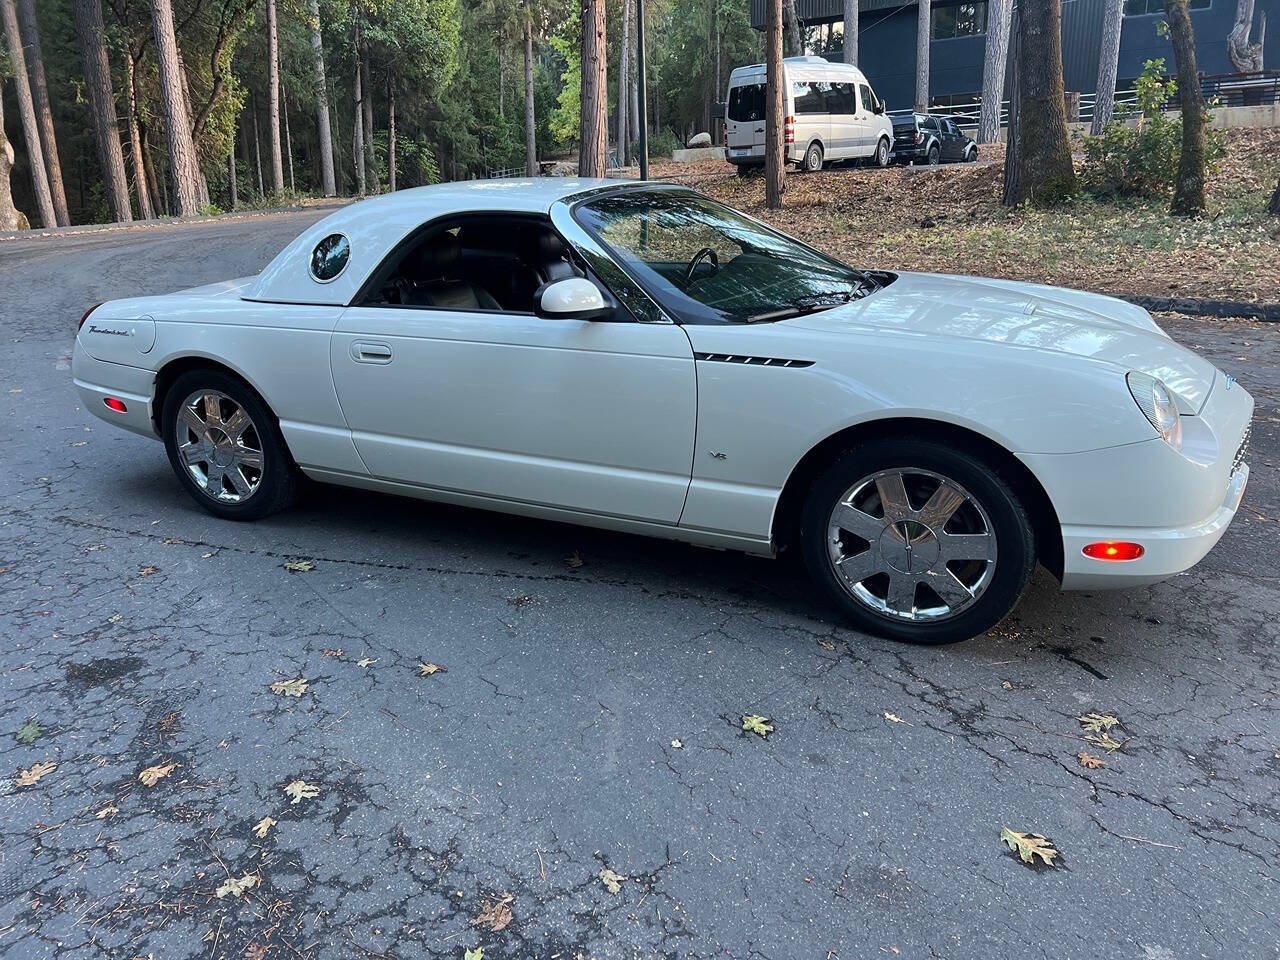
(226, 448)
(813, 158)
(918, 541)
(882, 153)
(971, 155)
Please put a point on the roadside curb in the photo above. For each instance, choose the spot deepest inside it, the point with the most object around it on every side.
(85, 228)
(1266, 312)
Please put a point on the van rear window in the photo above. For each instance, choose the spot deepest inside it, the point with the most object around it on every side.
(746, 103)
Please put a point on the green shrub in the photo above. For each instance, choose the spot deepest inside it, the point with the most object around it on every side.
(1142, 161)
(662, 143)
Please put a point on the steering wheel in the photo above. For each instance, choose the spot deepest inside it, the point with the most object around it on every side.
(706, 253)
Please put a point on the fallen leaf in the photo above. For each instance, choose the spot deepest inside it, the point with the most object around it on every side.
(298, 566)
(256, 951)
(206, 556)
(1097, 722)
(31, 776)
(290, 688)
(110, 810)
(476, 954)
(677, 744)
(427, 669)
(332, 651)
(236, 888)
(148, 570)
(574, 560)
(1028, 846)
(153, 775)
(612, 881)
(366, 662)
(893, 717)
(300, 790)
(826, 645)
(1089, 761)
(171, 541)
(1104, 740)
(115, 618)
(1007, 685)
(262, 827)
(29, 731)
(495, 914)
(754, 724)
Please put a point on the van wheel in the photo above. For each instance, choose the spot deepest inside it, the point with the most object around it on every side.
(813, 158)
(882, 153)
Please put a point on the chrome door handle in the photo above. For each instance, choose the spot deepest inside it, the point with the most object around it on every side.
(362, 351)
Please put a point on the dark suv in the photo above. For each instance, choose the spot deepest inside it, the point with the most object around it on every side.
(922, 138)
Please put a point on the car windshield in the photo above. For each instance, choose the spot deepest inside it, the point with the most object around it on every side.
(707, 263)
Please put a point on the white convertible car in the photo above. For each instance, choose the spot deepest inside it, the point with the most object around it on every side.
(638, 357)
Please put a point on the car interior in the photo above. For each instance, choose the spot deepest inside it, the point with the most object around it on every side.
(475, 264)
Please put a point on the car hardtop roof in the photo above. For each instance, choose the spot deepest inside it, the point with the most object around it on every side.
(375, 226)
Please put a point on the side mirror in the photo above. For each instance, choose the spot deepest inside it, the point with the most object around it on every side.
(574, 298)
(879, 109)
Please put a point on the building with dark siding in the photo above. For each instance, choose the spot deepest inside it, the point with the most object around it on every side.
(887, 42)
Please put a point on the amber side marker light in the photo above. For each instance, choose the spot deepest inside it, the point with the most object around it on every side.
(1114, 550)
(115, 404)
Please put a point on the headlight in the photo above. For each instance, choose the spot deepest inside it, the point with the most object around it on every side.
(1156, 402)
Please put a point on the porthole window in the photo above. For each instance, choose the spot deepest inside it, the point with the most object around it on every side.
(330, 257)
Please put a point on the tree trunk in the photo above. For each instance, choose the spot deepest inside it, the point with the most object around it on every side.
(1045, 173)
(1273, 207)
(850, 54)
(791, 22)
(159, 197)
(232, 187)
(11, 218)
(257, 145)
(29, 27)
(140, 186)
(924, 32)
(1013, 142)
(357, 132)
(530, 125)
(371, 169)
(624, 85)
(273, 99)
(184, 168)
(391, 134)
(27, 113)
(593, 134)
(324, 133)
(288, 140)
(774, 174)
(1188, 188)
(1246, 57)
(994, 64)
(1108, 64)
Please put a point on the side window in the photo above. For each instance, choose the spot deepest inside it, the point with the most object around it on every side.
(931, 125)
(493, 264)
(808, 98)
(840, 99)
(868, 98)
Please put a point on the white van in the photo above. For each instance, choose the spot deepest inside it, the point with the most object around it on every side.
(831, 113)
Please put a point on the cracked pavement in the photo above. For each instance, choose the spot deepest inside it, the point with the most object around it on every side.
(544, 752)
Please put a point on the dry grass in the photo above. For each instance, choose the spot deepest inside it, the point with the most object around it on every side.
(950, 219)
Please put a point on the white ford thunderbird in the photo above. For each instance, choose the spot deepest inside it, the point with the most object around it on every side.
(638, 357)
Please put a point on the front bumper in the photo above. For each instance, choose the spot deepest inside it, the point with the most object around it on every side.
(96, 380)
(1177, 505)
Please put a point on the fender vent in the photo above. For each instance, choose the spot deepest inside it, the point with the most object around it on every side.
(751, 361)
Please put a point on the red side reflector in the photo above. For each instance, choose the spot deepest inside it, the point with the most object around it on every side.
(86, 315)
(115, 404)
(1114, 550)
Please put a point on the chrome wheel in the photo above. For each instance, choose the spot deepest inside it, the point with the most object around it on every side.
(911, 545)
(219, 445)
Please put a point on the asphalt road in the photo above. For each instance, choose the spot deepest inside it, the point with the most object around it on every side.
(588, 717)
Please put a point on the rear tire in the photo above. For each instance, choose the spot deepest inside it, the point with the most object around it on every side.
(226, 447)
(945, 559)
(812, 158)
(935, 156)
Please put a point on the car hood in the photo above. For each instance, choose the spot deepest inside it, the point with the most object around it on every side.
(1025, 316)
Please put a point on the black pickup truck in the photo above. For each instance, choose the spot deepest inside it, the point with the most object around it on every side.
(923, 138)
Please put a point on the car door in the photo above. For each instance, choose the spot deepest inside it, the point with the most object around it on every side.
(596, 417)
(744, 121)
(952, 141)
(812, 121)
(847, 125)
